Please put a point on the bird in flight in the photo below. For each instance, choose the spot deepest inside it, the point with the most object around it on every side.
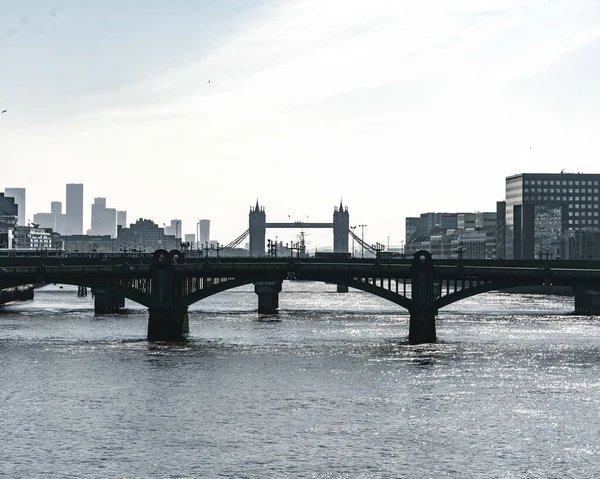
(208, 81)
(4, 111)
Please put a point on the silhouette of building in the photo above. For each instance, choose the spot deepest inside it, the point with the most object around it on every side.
(257, 219)
(145, 235)
(74, 213)
(20, 200)
(174, 229)
(453, 235)
(59, 218)
(8, 208)
(104, 220)
(341, 226)
(122, 219)
(204, 233)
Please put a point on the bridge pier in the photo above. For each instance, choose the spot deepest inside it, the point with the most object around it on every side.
(168, 324)
(421, 328)
(587, 302)
(268, 296)
(342, 288)
(107, 302)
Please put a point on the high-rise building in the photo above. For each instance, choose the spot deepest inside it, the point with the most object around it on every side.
(121, 219)
(8, 208)
(542, 209)
(74, 214)
(104, 220)
(59, 217)
(19, 195)
(174, 229)
(204, 232)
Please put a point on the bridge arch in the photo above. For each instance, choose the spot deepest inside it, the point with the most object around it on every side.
(231, 283)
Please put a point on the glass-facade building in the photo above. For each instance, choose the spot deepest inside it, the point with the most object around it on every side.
(541, 208)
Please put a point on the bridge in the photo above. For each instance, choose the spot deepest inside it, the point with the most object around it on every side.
(167, 283)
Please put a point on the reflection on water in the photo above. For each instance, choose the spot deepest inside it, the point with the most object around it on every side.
(329, 387)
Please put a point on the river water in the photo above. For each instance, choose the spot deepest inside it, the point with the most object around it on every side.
(328, 388)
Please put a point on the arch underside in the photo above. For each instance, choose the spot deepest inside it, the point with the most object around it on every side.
(222, 284)
(486, 287)
(119, 287)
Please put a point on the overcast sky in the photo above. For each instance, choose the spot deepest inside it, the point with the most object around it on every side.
(194, 109)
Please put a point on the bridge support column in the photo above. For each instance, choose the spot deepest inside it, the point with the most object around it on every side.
(587, 302)
(168, 324)
(342, 288)
(268, 296)
(107, 303)
(421, 328)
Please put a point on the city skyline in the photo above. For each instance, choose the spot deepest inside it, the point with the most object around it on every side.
(395, 107)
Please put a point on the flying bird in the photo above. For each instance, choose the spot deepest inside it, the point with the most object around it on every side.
(4, 111)
(208, 81)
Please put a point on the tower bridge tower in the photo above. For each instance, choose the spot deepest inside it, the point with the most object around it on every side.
(341, 226)
(257, 229)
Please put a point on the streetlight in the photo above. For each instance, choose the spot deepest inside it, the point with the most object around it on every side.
(352, 228)
(362, 240)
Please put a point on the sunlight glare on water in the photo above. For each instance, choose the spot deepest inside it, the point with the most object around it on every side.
(329, 387)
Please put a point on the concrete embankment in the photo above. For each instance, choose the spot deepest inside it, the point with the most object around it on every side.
(18, 293)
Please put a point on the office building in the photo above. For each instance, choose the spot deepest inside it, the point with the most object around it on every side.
(543, 209)
(190, 240)
(104, 220)
(204, 232)
(174, 229)
(8, 208)
(59, 217)
(19, 195)
(74, 213)
(122, 219)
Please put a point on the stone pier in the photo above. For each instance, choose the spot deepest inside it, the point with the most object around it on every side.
(107, 302)
(421, 328)
(268, 296)
(168, 324)
(587, 302)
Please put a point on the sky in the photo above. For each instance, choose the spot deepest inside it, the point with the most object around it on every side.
(195, 109)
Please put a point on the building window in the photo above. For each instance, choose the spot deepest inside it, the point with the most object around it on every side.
(570, 222)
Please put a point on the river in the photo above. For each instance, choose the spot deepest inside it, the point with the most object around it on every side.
(328, 388)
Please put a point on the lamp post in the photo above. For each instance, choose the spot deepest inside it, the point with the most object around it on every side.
(362, 240)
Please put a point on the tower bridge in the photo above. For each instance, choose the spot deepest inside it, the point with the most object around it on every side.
(169, 283)
(258, 226)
